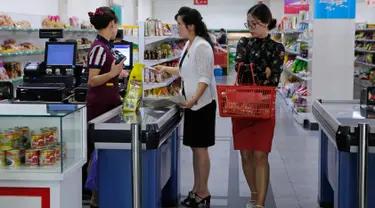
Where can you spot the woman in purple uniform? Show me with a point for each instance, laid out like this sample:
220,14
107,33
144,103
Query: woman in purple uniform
103,93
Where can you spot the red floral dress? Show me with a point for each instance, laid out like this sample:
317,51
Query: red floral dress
249,133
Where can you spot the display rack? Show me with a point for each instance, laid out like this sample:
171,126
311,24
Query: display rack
295,33
42,151
144,43
30,35
365,60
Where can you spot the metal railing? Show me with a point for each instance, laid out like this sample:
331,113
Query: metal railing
364,130
136,166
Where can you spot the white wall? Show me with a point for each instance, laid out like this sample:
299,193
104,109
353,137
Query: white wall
365,13
218,14
79,8
145,9
34,7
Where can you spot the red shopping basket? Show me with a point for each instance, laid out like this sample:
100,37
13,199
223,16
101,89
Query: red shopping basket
246,101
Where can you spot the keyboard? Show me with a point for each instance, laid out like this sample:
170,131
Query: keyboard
42,85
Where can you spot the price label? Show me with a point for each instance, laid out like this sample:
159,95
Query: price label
200,2
370,3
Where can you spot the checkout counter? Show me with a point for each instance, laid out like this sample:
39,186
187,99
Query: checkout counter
159,156
341,150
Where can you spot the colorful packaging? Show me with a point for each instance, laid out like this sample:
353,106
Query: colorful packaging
32,157
13,158
134,90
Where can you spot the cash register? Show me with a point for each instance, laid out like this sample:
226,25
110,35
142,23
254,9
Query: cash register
53,79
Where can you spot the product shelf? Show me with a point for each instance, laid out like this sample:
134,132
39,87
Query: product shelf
296,74
14,29
290,51
365,40
364,50
365,64
150,63
22,53
304,59
148,86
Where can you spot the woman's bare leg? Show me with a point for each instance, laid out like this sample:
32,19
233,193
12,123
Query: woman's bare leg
262,174
202,170
248,167
195,171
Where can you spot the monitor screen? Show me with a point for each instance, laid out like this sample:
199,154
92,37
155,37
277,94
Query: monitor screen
60,54
126,50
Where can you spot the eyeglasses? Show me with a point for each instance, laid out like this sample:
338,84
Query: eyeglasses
251,25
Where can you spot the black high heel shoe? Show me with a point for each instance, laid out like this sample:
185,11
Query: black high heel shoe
189,200
204,203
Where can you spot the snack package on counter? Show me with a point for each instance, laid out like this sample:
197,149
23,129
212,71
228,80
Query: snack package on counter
130,117
134,90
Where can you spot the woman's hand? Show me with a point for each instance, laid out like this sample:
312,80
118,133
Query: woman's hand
116,69
189,103
268,72
159,69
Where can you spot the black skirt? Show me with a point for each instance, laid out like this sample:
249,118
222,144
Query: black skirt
199,126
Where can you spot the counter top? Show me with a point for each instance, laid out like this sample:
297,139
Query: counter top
37,110
340,119
114,127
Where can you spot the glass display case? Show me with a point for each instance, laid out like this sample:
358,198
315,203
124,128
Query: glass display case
41,138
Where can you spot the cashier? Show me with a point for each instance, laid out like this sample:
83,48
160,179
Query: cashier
103,93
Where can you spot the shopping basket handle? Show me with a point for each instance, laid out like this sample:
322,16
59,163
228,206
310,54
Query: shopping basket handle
251,69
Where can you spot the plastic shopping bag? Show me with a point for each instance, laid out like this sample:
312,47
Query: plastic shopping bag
92,179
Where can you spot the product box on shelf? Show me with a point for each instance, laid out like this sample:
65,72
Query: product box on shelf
41,138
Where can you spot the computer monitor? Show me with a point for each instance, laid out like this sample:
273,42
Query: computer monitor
60,54
120,34
126,49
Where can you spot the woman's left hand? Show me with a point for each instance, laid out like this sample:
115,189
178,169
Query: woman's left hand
268,72
189,103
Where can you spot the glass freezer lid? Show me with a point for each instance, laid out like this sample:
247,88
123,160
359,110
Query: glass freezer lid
38,110
349,114
116,119
143,116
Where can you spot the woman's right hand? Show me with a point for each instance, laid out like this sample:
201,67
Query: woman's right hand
116,68
159,69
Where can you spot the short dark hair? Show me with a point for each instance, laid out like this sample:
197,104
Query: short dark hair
101,18
263,14
192,17
222,30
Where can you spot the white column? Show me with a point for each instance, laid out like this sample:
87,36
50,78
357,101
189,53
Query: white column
333,51
144,9
129,12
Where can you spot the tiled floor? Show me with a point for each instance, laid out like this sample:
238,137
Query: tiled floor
293,161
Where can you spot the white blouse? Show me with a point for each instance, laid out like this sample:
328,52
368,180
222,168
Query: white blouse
197,67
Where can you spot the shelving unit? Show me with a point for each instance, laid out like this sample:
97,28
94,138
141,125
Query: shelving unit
30,35
295,33
144,43
365,57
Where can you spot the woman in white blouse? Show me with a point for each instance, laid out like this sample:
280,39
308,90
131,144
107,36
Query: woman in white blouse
196,69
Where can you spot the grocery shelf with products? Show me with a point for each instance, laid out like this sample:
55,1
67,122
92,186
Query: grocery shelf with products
158,44
364,58
43,145
295,33
25,46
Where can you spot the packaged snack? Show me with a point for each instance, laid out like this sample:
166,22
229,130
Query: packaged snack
158,78
6,21
134,90
74,23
